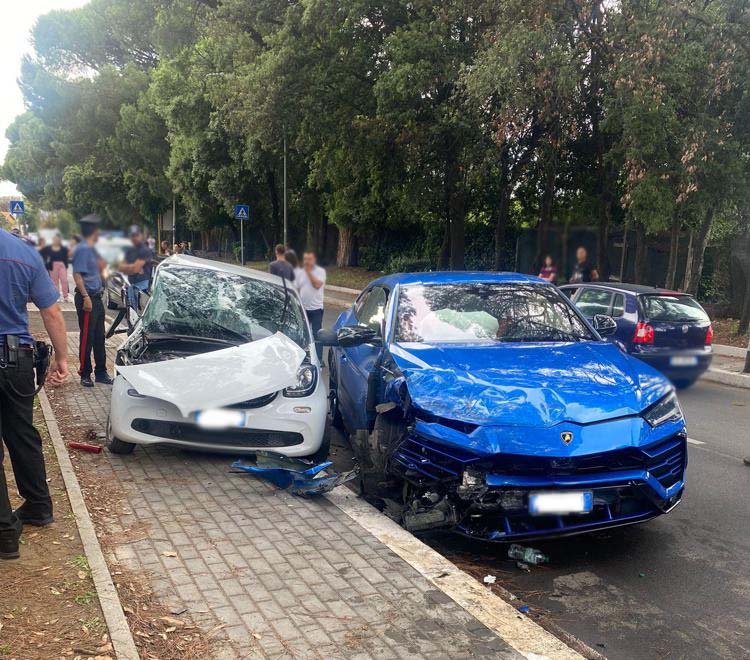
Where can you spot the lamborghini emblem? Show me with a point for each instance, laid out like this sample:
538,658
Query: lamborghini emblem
566,437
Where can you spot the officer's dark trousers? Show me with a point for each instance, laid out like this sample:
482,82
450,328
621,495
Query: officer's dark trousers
95,338
23,443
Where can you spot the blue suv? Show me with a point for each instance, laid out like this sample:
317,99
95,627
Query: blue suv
666,329
486,404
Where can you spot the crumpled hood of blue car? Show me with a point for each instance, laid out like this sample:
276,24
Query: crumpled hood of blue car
527,385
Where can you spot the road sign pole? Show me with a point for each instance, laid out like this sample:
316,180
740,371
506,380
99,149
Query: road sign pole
242,242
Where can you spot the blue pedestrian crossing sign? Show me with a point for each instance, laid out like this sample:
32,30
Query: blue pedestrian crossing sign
17,207
241,212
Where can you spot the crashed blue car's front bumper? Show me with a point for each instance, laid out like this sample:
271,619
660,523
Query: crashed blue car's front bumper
640,478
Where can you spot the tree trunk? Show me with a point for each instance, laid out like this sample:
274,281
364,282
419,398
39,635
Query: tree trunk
346,254
501,225
674,249
694,267
604,204
624,253
641,254
545,214
444,258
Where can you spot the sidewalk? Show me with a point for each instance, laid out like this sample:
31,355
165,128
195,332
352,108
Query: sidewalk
727,367
265,574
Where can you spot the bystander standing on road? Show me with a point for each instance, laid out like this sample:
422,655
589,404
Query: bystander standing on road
310,281
583,271
280,266
186,249
290,256
549,270
55,257
137,265
87,274
23,277
165,249
72,244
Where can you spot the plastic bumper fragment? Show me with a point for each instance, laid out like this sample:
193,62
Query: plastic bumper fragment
298,476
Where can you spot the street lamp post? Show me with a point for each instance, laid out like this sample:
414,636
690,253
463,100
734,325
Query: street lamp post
285,226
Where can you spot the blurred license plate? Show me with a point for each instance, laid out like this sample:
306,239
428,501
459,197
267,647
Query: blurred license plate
220,419
555,503
683,361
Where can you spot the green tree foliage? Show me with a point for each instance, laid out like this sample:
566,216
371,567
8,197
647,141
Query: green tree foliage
431,130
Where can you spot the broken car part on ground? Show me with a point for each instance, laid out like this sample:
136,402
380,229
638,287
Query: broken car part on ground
298,476
222,360
485,403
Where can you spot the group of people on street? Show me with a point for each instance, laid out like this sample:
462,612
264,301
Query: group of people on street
582,271
309,280
183,247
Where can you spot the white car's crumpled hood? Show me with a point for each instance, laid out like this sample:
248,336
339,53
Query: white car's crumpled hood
220,378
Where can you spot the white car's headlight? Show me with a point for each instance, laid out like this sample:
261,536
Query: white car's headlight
307,379
666,409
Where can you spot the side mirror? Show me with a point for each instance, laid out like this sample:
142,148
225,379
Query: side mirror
356,335
326,338
604,325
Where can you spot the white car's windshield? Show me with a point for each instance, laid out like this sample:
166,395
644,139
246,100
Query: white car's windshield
486,313
202,302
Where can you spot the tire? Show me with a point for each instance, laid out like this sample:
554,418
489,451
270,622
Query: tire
322,453
117,446
684,383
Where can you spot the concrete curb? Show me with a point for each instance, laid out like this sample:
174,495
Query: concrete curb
725,377
729,351
520,632
119,631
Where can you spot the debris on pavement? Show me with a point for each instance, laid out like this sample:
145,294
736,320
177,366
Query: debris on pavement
85,446
298,476
523,566
523,609
527,555
489,579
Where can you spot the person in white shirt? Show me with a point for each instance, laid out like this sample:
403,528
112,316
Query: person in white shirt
310,281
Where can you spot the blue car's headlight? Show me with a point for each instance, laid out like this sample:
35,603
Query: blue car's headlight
666,409
307,379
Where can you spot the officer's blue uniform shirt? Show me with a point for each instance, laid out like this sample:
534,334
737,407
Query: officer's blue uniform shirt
23,277
86,262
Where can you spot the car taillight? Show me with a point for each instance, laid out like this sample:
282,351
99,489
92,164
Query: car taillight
644,334
710,335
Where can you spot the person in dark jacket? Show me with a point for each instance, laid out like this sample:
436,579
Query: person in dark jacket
281,266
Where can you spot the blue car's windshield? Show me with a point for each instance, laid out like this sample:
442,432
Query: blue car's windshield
486,312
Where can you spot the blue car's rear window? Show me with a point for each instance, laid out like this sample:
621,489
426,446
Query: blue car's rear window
672,308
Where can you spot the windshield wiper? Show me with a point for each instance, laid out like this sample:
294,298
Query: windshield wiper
552,333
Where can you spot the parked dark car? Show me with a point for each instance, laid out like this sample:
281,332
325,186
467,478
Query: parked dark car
667,329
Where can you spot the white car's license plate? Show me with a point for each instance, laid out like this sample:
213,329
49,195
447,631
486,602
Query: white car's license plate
683,361
220,418
560,503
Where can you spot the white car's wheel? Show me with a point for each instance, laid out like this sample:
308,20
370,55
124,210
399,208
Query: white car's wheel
115,445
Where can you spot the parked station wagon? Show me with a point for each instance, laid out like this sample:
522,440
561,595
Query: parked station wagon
666,329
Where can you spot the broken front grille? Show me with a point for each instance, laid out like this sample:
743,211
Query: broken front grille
240,437
425,460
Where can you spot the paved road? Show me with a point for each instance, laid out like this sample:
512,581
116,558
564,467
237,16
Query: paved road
693,599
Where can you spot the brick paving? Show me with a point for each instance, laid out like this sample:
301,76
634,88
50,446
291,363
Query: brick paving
283,576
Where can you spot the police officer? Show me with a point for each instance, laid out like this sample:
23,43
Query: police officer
23,277
87,275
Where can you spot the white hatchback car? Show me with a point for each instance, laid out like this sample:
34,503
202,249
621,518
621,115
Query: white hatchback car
223,360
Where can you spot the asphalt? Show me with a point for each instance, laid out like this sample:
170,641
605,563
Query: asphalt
675,587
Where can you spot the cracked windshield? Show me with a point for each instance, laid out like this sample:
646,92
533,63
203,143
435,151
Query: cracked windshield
221,305
476,313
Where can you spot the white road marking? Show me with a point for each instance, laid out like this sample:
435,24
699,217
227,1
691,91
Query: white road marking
695,442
